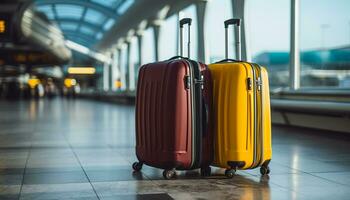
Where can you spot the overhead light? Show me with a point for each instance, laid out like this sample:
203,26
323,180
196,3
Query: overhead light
81,70
2,26
84,50
77,47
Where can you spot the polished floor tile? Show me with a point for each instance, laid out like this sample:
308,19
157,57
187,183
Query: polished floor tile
62,177
79,149
338,177
160,196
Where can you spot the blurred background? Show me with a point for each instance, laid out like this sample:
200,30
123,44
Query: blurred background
94,48
101,50
68,75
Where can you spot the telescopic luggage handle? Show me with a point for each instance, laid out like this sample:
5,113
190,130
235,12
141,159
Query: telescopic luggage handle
236,22
182,23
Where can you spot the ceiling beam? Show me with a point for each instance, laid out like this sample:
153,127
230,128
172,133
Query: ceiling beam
85,23
141,10
104,10
81,20
90,38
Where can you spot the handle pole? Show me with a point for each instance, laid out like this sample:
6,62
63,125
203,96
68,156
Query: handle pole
226,43
181,41
236,22
238,44
182,23
189,41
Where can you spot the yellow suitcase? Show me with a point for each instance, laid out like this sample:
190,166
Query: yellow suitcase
242,113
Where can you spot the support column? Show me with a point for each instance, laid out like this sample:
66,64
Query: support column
119,64
110,72
139,48
238,8
156,36
115,70
294,68
128,66
106,74
201,51
140,61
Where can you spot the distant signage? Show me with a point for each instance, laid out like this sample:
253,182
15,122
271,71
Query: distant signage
5,29
2,26
19,57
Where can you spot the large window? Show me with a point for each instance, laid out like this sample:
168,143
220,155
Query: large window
325,43
134,63
168,41
217,12
268,31
191,13
123,71
148,55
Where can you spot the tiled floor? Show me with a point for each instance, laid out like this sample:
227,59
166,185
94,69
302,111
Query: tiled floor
77,149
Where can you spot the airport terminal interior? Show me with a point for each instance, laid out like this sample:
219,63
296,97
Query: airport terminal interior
70,99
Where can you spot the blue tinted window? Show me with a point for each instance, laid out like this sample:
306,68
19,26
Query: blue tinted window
87,30
108,24
69,26
94,16
125,6
99,35
106,3
69,11
47,10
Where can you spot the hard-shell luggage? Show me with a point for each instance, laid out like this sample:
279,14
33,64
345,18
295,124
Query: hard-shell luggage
173,111
241,103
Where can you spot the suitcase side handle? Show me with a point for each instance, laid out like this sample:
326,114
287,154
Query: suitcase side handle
182,23
236,22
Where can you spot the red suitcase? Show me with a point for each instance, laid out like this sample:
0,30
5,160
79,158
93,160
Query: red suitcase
173,111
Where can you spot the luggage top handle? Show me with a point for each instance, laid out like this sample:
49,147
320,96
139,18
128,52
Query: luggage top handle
236,22
182,23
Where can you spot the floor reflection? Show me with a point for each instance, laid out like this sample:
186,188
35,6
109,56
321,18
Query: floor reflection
80,149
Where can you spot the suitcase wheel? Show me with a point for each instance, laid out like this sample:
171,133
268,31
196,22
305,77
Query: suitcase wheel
264,170
206,171
169,174
137,166
229,173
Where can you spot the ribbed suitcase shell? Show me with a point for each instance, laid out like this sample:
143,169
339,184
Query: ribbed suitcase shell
235,116
163,116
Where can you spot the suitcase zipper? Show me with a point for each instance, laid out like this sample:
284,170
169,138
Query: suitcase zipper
260,89
258,116
255,118
189,85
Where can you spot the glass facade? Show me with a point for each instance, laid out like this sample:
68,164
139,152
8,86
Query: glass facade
148,46
168,47
190,12
216,13
268,38
324,36
134,63
89,18
325,44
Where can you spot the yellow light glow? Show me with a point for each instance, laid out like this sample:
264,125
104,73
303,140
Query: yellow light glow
69,82
81,70
2,26
118,84
33,82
